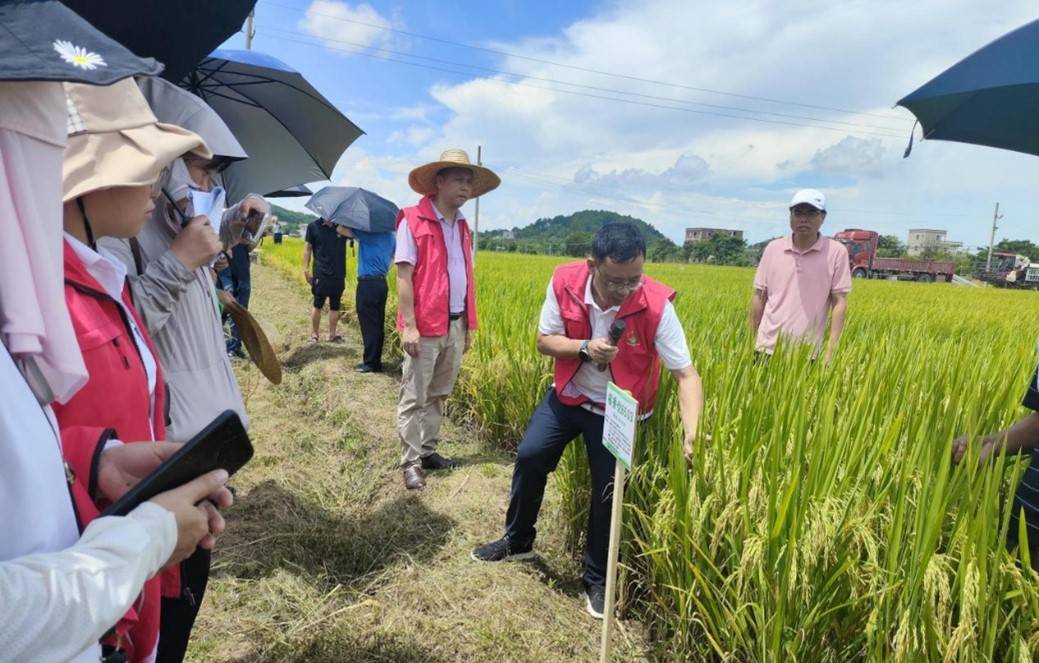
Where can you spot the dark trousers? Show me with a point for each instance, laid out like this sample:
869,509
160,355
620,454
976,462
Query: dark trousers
178,614
371,314
237,280
552,427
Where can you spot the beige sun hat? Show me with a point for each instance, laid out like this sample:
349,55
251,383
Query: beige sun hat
115,140
424,178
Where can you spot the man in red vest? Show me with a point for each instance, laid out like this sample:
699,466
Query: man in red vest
583,301
437,302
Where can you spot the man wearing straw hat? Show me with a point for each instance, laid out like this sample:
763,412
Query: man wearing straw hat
437,302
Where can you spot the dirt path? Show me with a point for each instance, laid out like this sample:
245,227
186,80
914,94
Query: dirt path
328,558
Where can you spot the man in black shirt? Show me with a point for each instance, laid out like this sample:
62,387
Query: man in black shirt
1021,438
328,279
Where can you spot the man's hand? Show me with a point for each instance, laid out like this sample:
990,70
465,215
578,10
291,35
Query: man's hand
197,524
308,276
829,354
468,341
687,447
252,205
959,449
121,467
196,244
601,351
343,231
410,340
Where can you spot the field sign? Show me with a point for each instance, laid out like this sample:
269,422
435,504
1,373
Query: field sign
618,434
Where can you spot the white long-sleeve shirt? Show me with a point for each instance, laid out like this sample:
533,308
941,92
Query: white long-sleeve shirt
59,591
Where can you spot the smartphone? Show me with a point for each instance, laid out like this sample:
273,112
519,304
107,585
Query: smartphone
223,444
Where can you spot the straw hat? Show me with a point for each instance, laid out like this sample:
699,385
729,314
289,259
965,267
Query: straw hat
115,140
424,178
253,338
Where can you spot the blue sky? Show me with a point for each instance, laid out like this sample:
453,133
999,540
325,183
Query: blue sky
811,84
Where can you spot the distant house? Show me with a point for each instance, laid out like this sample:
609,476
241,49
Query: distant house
923,239
701,234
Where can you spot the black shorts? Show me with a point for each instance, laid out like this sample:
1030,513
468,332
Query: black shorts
329,288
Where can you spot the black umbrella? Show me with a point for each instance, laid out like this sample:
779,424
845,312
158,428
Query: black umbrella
991,97
291,133
292,192
178,34
354,208
43,40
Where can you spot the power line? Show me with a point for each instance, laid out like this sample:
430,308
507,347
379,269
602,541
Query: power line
492,70
585,69
365,53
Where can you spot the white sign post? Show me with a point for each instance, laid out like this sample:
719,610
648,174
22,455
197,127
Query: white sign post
618,436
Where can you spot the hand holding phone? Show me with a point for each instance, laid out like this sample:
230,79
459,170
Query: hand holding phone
222,445
198,520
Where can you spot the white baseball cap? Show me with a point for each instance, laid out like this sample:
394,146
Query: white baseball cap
814,198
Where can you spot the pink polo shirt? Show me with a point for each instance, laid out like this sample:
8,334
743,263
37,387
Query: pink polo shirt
799,284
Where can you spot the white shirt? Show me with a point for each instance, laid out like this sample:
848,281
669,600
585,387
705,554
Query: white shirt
589,381
60,592
407,251
110,273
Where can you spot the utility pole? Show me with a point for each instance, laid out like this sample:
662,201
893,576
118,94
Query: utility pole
996,216
250,31
476,223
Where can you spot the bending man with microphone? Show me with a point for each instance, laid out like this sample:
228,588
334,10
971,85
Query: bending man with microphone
597,313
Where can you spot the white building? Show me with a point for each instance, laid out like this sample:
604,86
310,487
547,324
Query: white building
701,234
922,239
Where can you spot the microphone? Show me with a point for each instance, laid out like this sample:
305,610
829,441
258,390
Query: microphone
616,331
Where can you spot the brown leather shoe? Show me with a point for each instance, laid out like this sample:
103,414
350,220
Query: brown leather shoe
414,479
435,461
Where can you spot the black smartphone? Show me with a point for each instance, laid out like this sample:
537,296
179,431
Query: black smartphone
223,444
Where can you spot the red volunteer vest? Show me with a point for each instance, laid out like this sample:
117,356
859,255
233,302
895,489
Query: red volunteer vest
637,365
429,280
115,397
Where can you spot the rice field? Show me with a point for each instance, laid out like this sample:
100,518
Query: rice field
822,519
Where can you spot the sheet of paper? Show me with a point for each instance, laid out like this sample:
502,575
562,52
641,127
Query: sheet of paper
211,204
618,434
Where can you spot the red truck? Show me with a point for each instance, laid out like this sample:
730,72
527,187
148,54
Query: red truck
866,264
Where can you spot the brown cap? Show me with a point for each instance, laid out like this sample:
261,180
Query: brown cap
115,140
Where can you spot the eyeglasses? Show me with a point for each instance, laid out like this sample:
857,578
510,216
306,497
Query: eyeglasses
808,212
623,285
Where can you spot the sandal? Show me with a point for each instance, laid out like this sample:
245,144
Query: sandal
336,339
313,339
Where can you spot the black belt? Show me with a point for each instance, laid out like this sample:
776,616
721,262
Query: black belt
372,278
454,316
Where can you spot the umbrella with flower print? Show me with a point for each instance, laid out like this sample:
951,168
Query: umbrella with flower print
178,34
43,40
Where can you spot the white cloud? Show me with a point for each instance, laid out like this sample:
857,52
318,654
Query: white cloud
559,152
853,157
340,25
414,135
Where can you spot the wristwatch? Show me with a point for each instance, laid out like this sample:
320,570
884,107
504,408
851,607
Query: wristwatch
583,353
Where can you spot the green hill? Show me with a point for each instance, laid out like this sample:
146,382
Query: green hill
291,220
570,234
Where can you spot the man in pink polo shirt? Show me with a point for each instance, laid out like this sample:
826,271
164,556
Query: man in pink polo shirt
801,278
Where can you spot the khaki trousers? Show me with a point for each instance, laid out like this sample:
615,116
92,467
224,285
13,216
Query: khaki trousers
426,383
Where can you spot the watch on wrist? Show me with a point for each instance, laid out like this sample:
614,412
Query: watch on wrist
583,353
